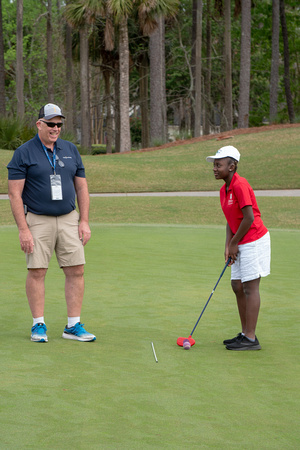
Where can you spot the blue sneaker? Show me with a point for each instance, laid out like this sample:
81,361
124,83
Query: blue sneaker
38,333
78,333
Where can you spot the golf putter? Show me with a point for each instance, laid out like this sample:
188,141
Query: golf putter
180,340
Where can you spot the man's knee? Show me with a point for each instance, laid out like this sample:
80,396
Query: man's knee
74,271
37,274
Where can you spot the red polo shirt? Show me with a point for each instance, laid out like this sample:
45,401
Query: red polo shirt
239,195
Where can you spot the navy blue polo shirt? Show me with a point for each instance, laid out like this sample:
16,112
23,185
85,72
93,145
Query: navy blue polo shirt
30,162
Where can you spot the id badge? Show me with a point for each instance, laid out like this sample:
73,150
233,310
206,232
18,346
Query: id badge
56,189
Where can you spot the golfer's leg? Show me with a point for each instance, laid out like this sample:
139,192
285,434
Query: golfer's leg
241,300
251,289
35,291
74,289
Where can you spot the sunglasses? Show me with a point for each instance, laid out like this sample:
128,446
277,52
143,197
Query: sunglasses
52,124
60,163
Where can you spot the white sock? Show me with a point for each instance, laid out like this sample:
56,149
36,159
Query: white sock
38,320
72,321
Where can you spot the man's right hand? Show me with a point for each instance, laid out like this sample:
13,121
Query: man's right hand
26,241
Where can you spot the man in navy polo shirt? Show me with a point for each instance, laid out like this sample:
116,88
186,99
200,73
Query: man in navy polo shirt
44,177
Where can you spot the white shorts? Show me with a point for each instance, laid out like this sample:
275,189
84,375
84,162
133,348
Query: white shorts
253,260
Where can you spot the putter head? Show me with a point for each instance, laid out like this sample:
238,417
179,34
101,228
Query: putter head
180,341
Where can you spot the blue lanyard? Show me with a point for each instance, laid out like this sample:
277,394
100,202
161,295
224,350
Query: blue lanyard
53,162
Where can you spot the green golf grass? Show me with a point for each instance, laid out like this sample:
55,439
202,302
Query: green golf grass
149,283
151,266
268,161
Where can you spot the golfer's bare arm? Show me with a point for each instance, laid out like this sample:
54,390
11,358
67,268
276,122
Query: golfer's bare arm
15,189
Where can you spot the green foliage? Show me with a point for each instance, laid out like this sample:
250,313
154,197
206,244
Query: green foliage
84,150
178,53
98,149
34,56
135,130
182,135
13,133
68,136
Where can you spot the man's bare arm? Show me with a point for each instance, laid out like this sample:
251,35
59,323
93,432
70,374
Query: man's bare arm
83,200
15,189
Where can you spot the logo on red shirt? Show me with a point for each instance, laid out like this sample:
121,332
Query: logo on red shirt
230,200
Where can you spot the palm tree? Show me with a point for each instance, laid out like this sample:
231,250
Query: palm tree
119,11
85,12
2,68
144,79
20,65
244,94
125,138
50,53
158,106
150,14
275,61
70,97
79,15
85,89
206,128
228,70
198,68
286,58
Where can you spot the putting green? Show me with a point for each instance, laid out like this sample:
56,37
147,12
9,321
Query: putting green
149,284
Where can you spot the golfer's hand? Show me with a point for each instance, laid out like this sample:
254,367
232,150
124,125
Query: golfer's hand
26,241
233,252
226,258
84,232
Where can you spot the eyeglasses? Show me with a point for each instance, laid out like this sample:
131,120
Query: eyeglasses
52,124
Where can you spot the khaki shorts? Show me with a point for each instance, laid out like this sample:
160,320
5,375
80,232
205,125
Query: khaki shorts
55,233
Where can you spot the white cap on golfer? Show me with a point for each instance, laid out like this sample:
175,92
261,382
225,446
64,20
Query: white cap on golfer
225,152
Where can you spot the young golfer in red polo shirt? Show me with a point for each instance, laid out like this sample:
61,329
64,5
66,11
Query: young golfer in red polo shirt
247,244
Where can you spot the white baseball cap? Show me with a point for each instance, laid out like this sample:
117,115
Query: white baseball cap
49,111
225,152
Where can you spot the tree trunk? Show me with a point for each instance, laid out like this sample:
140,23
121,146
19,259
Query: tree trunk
193,63
158,108
84,90
228,69
2,68
50,53
70,88
208,70
19,65
144,76
198,74
245,65
125,139
106,75
117,106
274,62
286,58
